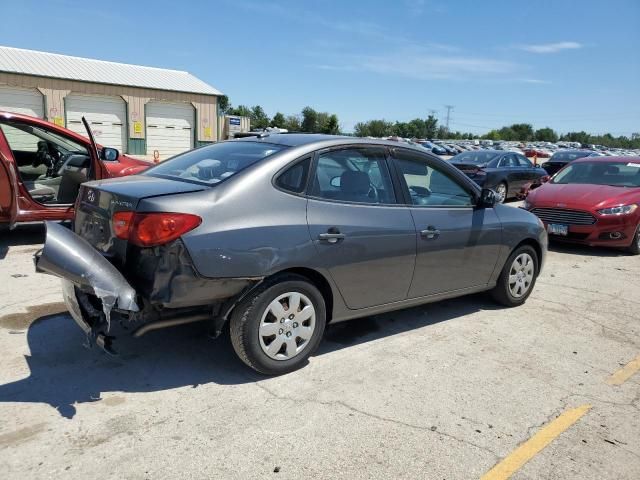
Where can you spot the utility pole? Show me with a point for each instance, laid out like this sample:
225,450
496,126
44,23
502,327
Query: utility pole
449,108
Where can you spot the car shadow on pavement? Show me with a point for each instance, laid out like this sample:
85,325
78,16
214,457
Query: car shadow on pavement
584,250
63,373
32,234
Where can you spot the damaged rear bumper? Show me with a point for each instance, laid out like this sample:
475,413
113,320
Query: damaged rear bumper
83,269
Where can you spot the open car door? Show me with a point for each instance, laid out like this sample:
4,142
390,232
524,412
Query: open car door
97,169
8,185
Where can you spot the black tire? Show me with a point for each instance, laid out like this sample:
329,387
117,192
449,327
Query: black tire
506,191
634,248
501,293
246,318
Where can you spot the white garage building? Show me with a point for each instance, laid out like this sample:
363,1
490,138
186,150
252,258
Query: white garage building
143,111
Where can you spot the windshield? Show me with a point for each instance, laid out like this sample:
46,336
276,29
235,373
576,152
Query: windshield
478,157
569,156
616,174
214,163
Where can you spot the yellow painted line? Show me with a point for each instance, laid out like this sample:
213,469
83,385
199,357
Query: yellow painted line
529,449
625,372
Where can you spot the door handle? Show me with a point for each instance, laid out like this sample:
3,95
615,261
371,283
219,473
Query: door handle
331,237
430,233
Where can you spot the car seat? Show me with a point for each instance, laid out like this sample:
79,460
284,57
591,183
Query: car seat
355,186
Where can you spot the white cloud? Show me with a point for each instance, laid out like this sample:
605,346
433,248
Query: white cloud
535,80
550,47
422,65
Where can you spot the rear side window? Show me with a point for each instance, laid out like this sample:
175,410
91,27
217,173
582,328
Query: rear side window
294,179
215,163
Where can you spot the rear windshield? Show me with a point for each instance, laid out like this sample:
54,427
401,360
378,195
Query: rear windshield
214,163
568,156
478,157
616,174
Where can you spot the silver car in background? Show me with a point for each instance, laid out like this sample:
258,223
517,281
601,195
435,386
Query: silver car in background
279,235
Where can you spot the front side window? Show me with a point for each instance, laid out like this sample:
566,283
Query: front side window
508,161
358,174
215,163
51,166
524,161
428,185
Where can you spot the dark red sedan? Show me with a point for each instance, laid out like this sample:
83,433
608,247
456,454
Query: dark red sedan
42,166
593,201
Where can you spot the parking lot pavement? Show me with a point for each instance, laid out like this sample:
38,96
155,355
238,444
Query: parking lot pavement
448,390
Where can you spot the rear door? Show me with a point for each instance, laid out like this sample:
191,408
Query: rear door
457,243
364,238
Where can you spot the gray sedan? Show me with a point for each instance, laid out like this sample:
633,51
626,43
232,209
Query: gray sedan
279,235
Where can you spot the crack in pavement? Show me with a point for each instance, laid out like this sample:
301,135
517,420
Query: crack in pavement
380,418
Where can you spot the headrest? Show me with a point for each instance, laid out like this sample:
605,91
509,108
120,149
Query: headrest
354,182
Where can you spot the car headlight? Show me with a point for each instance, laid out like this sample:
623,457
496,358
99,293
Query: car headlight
620,210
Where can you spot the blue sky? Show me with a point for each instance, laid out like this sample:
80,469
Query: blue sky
571,65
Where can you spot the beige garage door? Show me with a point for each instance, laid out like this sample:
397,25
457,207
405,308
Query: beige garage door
106,116
22,100
169,128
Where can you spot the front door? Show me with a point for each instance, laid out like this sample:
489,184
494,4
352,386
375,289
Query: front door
47,167
457,243
363,237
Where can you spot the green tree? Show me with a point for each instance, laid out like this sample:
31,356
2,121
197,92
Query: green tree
522,132
493,135
223,104
259,119
293,123
442,132
240,111
430,127
546,135
361,129
331,126
278,120
309,120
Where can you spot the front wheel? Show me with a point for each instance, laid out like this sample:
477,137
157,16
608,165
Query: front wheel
277,327
517,278
501,192
634,248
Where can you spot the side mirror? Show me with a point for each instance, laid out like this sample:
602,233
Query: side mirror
487,198
109,154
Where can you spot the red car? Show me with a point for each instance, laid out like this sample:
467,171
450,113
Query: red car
593,201
42,166
535,152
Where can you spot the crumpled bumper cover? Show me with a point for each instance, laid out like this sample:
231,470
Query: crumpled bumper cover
72,258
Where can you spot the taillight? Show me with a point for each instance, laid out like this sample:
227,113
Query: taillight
153,229
122,222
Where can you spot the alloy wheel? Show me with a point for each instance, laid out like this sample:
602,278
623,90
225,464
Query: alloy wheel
501,192
521,275
287,325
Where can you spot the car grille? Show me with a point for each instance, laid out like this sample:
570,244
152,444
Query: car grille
567,217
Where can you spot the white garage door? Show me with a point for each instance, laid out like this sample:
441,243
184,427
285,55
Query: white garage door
22,100
106,116
169,128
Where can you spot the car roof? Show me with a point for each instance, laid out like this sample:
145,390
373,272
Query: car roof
605,159
300,139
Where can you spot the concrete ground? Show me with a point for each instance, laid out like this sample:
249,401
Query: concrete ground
443,391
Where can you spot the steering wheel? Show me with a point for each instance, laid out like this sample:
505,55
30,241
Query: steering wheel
61,164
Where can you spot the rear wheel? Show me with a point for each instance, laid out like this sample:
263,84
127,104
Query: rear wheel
517,278
501,192
634,248
277,328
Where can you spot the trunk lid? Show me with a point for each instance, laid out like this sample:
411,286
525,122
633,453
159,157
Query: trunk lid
470,169
98,201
